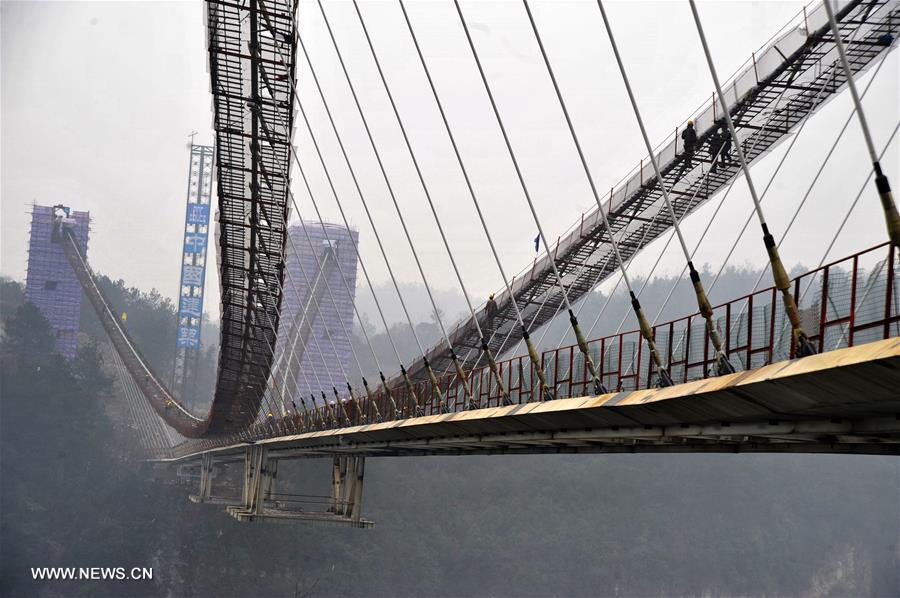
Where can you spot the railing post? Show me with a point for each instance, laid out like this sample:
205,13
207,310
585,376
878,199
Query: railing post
823,308
619,373
774,310
889,292
749,331
755,71
853,282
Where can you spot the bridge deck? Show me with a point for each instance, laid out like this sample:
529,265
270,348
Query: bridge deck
844,401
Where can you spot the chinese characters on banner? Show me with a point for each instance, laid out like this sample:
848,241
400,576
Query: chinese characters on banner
196,230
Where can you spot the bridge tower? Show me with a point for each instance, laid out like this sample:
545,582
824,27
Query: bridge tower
50,283
192,272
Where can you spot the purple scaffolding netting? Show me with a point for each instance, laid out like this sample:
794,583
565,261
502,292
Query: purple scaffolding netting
50,284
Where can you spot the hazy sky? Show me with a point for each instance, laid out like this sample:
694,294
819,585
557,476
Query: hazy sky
98,99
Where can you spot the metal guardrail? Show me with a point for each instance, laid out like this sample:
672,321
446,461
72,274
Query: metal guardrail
844,303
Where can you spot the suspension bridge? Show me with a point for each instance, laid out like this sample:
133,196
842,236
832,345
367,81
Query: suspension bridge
809,364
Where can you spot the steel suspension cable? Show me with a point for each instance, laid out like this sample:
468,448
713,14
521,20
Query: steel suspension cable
255,108
762,197
492,364
295,37
304,317
339,269
782,282
652,270
672,236
598,387
274,385
309,285
821,166
573,318
891,216
723,366
284,224
335,195
437,220
606,303
847,215
628,263
771,180
715,214
645,328
471,190
425,361
280,396
809,189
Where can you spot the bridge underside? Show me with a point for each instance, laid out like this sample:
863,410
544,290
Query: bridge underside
844,401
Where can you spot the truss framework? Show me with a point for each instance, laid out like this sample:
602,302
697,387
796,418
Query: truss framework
252,65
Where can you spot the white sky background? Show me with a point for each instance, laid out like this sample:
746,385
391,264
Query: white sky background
98,100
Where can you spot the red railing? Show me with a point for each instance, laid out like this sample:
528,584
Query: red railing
847,302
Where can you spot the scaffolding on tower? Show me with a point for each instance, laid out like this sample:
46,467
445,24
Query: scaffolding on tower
192,273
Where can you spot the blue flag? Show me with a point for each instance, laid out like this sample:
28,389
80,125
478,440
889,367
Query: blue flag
537,243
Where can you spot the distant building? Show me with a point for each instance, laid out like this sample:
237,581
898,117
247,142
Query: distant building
318,362
50,283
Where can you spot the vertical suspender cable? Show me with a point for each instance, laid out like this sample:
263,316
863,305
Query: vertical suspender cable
573,318
492,364
891,216
295,99
255,106
434,381
532,352
415,161
782,282
723,366
353,396
645,327
407,380
550,257
266,219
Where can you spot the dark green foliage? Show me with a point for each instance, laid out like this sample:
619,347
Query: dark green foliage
63,482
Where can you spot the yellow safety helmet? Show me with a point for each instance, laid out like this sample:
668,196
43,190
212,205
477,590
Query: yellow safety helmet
691,123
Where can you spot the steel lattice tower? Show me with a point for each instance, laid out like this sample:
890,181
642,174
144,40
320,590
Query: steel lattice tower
193,271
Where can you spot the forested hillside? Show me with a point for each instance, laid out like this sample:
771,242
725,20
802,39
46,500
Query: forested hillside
567,525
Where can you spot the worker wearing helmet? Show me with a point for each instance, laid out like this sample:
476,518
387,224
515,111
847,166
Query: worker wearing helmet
689,137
